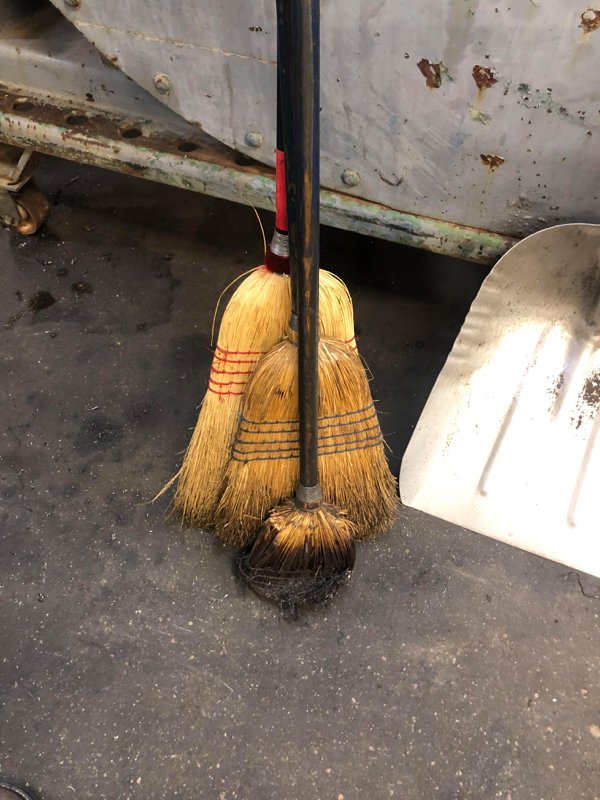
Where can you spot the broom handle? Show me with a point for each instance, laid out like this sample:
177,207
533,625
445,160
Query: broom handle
285,127
281,214
304,17
277,255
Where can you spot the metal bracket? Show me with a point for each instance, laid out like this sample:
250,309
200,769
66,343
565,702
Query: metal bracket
309,497
9,213
16,168
22,206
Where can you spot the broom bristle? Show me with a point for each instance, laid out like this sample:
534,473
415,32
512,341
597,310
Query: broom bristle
336,312
263,470
300,556
254,320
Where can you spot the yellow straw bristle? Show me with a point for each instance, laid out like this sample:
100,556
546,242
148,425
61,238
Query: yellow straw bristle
336,313
263,470
254,320
353,467
293,540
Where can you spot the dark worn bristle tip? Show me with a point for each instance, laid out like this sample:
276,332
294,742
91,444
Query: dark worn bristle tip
291,589
301,557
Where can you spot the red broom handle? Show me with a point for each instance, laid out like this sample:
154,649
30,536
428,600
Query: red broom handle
281,217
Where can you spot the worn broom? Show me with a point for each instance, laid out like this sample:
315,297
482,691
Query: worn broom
254,320
269,454
306,545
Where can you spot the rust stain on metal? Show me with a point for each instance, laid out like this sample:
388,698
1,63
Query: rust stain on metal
590,20
431,72
483,77
492,161
110,61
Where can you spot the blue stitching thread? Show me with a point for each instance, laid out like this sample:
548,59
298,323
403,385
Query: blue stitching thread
242,442
285,458
295,422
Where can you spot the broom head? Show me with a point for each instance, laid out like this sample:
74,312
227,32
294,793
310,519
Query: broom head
301,556
263,470
255,318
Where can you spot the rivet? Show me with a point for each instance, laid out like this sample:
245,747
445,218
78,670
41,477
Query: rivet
73,3
254,139
162,82
351,177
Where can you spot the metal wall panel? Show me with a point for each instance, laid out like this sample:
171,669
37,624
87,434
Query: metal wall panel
505,137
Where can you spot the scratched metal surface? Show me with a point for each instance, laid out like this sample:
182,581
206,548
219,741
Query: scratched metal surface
505,137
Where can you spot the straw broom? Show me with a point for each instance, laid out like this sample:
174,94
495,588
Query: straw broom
264,468
308,409
254,320
247,332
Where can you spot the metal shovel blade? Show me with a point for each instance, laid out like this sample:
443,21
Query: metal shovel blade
509,441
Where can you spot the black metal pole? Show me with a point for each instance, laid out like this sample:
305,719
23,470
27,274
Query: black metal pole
304,16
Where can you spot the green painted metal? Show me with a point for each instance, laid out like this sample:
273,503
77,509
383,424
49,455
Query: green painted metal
212,170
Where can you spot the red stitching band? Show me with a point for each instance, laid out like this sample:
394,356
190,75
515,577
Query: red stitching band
281,216
240,352
224,394
228,383
232,372
234,361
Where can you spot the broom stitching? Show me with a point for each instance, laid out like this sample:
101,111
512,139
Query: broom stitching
240,352
295,422
231,361
224,394
241,429
281,431
235,372
245,443
284,449
228,383
379,441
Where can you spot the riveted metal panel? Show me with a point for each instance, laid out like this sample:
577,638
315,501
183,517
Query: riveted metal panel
482,113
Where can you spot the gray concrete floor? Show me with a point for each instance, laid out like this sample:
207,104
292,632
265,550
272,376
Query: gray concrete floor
132,663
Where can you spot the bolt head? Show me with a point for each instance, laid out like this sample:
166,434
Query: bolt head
254,139
73,3
162,82
351,177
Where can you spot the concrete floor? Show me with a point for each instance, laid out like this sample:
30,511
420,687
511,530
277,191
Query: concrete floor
132,663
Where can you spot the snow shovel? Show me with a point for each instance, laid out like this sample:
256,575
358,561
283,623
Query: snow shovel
508,443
